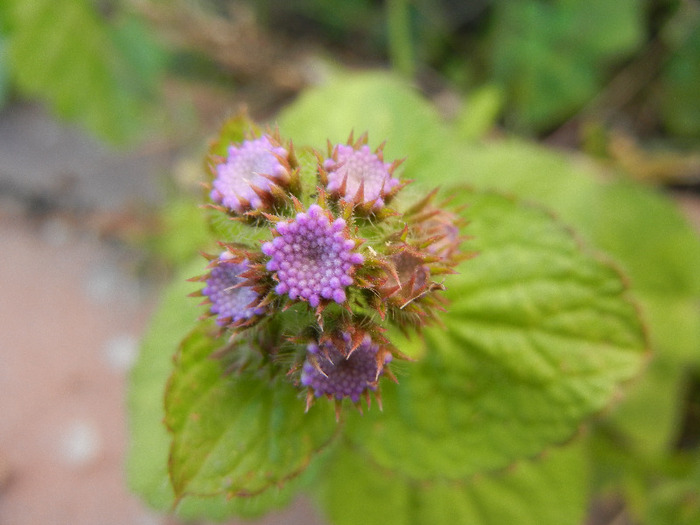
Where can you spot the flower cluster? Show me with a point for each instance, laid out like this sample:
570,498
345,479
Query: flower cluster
317,271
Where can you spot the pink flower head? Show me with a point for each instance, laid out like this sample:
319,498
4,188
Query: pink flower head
230,302
340,372
312,257
249,172
351,169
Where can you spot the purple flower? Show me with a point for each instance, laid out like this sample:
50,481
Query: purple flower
250,170
350,168
230,302
341,373
312,257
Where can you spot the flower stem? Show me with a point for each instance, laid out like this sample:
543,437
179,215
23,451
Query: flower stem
399,36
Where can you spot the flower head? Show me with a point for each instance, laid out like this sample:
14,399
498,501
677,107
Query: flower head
314,218
231,301
356,174
312,257
249,174
334,369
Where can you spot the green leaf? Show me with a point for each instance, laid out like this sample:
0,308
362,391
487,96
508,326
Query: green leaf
675,500
147,458
548,491
236,435
181,214
539,335
103,77
651,413
675,326
646,235
5,80
479,113
622,218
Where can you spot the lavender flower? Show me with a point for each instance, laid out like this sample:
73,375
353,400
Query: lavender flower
230,302
360,176
312,257
249,172
340,372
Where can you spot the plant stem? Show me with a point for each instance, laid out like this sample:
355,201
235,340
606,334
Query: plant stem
399,36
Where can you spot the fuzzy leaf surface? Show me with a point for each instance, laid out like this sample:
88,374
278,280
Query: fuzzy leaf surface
237,435
538,336
646,235
546,491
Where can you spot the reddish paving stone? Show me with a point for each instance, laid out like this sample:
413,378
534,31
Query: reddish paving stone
63,431
71,317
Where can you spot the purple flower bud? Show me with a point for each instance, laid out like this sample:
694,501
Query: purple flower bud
350,168
312,258
230,302
339,375
250,170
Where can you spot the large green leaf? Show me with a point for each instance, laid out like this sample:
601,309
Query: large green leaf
147,459
237,435
548,491
641,228
539,335
646,235
87,70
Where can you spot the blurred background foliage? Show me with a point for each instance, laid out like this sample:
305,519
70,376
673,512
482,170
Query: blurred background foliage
566,70
618,80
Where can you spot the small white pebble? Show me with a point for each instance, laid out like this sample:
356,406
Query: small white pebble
120,352
105,283
79,443
148,518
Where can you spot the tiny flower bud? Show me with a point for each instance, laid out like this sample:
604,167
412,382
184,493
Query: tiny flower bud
360,177
249,175
342,372
230,302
